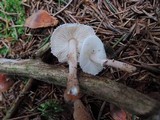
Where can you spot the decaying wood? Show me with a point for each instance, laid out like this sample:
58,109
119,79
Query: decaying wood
102,88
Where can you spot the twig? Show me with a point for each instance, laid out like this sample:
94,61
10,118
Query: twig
7,13
63,8
2,19
125,37
150,16
101,110
111,6
16,103
152,69
109,90
15,31
25,116
42,50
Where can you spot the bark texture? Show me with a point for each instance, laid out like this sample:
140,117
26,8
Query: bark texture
102,88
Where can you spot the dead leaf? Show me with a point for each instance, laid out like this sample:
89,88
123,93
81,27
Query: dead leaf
80,112
117,113
2,77
40,19
5,84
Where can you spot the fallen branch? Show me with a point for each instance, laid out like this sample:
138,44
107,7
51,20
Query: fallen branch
105,89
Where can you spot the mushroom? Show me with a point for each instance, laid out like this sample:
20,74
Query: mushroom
5,84
40,19
65,42
93,57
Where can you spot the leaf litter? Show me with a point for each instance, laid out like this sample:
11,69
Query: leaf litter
130,29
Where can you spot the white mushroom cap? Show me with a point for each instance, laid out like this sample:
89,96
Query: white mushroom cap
92,48
63,34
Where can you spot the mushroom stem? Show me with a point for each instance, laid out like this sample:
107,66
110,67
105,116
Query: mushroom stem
113,63
121,65
72,83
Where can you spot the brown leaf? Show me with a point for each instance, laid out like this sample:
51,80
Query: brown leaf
117,113
4,83
80,112
2,78
40,19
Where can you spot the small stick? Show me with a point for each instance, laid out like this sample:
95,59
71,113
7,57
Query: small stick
24,116
101,110
63,8
42,50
